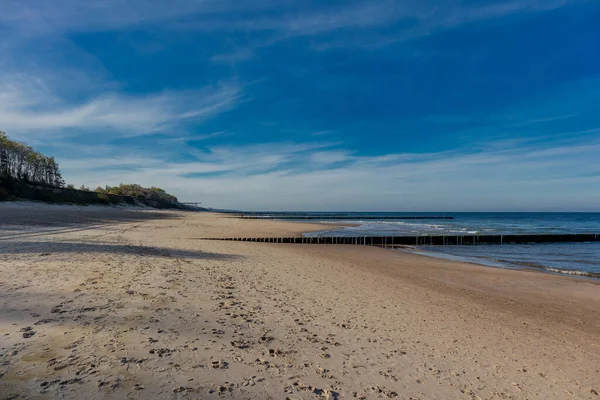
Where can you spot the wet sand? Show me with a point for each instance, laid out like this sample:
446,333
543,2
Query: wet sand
111,303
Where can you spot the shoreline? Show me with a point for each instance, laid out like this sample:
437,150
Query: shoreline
137,307
439,253
506,265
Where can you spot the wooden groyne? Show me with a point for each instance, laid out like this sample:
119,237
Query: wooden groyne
284,213
393,241
336,217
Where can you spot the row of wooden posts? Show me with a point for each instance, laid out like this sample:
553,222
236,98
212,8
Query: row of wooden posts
340,218
391,241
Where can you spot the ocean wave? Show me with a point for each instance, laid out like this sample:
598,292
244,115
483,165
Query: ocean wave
573,272
504,263
555,270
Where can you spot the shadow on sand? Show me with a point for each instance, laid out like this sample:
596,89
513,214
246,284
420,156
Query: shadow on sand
43,247
44,215
30,220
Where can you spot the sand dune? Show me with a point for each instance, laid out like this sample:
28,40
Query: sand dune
103,303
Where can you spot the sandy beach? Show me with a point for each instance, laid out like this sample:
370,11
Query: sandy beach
108,303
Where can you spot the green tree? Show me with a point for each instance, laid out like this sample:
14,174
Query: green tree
21,162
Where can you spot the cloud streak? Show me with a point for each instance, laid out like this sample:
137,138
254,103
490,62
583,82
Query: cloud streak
376,24
285,20
29,104
286,177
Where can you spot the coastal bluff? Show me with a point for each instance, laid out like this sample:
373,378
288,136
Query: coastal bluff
12,189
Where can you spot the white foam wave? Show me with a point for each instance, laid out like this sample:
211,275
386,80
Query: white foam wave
572,272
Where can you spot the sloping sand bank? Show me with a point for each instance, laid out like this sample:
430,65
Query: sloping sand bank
110,303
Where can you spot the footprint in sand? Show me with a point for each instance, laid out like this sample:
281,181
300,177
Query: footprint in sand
27,332
220,364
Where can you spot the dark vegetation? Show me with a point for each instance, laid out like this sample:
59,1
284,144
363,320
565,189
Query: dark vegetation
21,162
30,175
154,197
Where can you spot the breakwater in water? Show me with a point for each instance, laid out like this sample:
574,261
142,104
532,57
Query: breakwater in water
341,217
392,241
283,214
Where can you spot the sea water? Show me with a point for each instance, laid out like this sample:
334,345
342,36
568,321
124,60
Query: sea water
567,258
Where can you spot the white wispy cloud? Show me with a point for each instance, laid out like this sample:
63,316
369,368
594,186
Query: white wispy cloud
276,176
29,104
42,94
316,19
284,20
329,157
400,20
35,17
425,18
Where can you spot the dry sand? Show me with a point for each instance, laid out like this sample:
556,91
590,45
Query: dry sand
110,303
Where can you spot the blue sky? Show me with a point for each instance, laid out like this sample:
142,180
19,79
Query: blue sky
446,105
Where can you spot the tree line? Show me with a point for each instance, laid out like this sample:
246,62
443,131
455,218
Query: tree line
21,162
151,196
